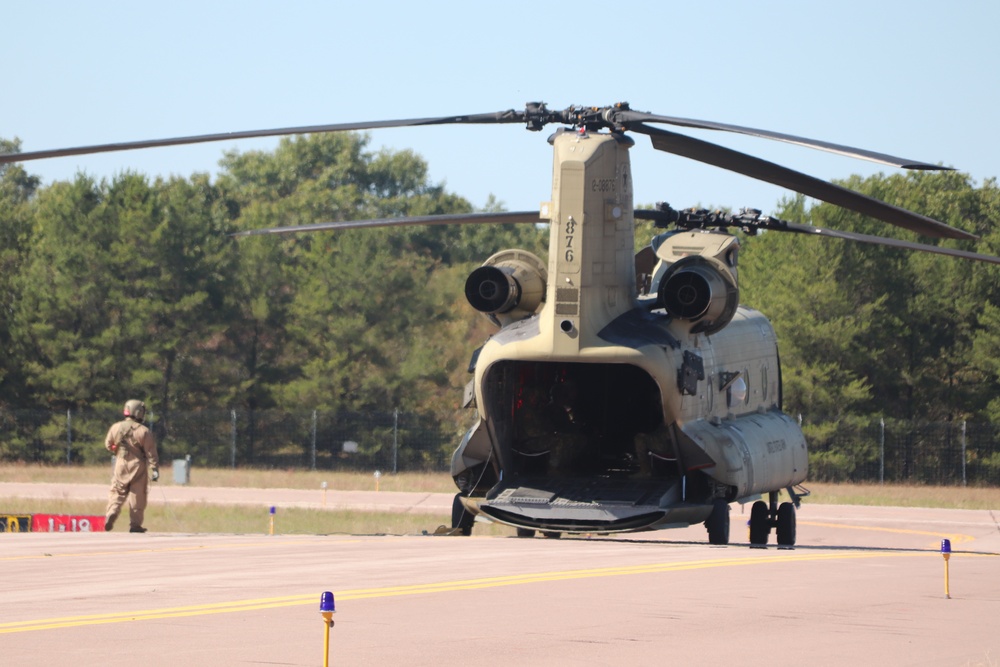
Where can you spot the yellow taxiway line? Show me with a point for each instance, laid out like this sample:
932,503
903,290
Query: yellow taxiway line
431,588
956,538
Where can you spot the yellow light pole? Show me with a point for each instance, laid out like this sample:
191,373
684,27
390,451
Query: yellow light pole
326,610
271,532
946,552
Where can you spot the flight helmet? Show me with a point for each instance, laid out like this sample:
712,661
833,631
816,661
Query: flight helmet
135,409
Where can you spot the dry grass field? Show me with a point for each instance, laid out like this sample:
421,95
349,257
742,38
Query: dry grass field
205,518
200,517
956,497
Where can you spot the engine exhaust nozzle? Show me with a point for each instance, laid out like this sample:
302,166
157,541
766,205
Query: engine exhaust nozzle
508,287
491,290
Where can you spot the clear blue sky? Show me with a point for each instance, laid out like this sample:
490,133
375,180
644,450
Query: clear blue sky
915,78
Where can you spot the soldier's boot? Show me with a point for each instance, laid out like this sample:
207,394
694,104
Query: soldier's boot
109,522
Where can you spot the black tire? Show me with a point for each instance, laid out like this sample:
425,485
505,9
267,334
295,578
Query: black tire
717,523
760,524
786,525
460,517
525,532
551,534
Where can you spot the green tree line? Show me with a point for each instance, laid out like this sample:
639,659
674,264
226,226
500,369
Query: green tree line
868,332
132,287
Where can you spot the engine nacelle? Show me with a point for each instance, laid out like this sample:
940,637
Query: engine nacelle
699,290
752,454
508,287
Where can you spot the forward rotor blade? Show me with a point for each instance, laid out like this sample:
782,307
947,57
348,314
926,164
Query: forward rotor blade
880,240
453,219
882,158
510,116
770,172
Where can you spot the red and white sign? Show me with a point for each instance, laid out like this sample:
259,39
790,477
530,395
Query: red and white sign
66,523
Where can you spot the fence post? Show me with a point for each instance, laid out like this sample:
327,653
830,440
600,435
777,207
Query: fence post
232,440
963,453
314,441
69,436
395,438
881,450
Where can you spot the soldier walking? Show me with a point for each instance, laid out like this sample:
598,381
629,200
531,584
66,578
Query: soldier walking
136,463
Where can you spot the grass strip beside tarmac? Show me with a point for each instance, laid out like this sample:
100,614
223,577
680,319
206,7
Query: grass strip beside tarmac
197,518
207,518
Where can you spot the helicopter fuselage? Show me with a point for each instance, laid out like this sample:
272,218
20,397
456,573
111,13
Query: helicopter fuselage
606,410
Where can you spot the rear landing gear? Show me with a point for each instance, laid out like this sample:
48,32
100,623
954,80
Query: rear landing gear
764,516
461,518
785,525
717,523
760,524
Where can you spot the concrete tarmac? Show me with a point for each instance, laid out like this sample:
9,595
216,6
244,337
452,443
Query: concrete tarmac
864,584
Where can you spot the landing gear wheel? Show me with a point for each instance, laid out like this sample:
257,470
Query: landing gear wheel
551,534
717,523
760,524
786,525
525,532
461,518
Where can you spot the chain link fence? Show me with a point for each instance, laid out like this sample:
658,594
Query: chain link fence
390,441
898,451
889,450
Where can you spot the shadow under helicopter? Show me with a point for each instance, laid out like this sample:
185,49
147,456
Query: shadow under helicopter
798,547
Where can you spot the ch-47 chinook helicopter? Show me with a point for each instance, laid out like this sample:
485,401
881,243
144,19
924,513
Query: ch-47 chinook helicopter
624,391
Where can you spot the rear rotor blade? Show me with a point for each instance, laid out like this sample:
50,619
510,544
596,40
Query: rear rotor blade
635,116
509,116
453,219
880,240
770,172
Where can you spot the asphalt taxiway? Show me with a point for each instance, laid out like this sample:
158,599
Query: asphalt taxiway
864,584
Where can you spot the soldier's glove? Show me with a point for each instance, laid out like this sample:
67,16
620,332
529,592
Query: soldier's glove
156,475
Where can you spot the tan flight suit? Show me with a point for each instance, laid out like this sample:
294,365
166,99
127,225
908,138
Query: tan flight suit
135,456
